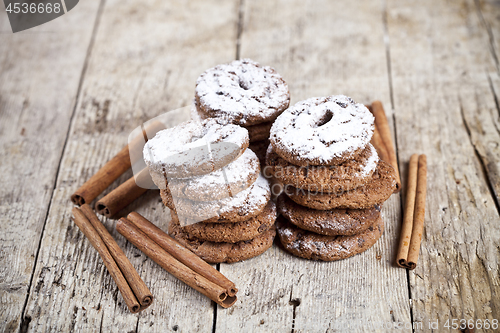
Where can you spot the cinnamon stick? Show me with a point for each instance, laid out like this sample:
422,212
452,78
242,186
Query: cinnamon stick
88,230
383,127
124,195
181,253
419,216
113,169
406,229
379,145
173,266
135,282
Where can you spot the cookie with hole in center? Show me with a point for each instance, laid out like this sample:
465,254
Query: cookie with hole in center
334,222
309,245
256,133
380,187
323,178
219,184
243,206
215,253
231,232
242,92
322,131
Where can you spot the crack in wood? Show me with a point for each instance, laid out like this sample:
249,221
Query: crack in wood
295,302
480,160
388,54
491,39
495,98
239,31
26,319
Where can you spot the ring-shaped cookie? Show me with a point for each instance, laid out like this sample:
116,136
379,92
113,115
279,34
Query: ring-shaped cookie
193,149
242,92
322,131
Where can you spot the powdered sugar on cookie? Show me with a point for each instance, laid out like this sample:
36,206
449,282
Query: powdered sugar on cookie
371,163
242,92
247,202
228,181
322,130
194,148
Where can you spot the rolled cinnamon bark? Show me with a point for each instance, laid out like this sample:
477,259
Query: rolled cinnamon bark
135,282
406,229
113,169
181,253
419,215
88,230
379,145
213,291
124,195
385,133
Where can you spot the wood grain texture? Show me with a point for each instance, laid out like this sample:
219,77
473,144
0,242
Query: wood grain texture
444,109
443,77
144,62
320,48
40,71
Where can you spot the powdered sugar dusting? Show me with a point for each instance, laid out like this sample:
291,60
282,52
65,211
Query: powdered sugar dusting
241,90
371,163
245,202
186,145
218,184
302,131
256,195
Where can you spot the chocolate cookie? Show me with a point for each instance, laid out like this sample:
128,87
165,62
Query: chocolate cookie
231,232
322,131
375,192
333,222
326,179
223,183
225,252
193,149
308,245
242,92
259,132
260,148
255,132
241,207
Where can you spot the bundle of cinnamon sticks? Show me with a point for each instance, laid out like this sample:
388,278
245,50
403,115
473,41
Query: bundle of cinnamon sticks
382,139
133,289
164,250
414,213
114,168
177,260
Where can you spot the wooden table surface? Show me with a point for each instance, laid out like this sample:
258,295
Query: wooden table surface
72,90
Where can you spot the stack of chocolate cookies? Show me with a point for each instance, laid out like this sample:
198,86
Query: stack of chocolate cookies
334,182
219,202
243,93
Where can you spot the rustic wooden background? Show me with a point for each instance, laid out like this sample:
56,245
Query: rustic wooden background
71,91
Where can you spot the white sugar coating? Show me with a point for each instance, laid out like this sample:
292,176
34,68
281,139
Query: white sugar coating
218,184
246,201
185,146
254,196
371,162
195,116
302,131
242,92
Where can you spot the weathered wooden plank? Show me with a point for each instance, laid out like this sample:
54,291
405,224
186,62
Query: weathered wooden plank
441,93
40,71
321,48
489,15
145,62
